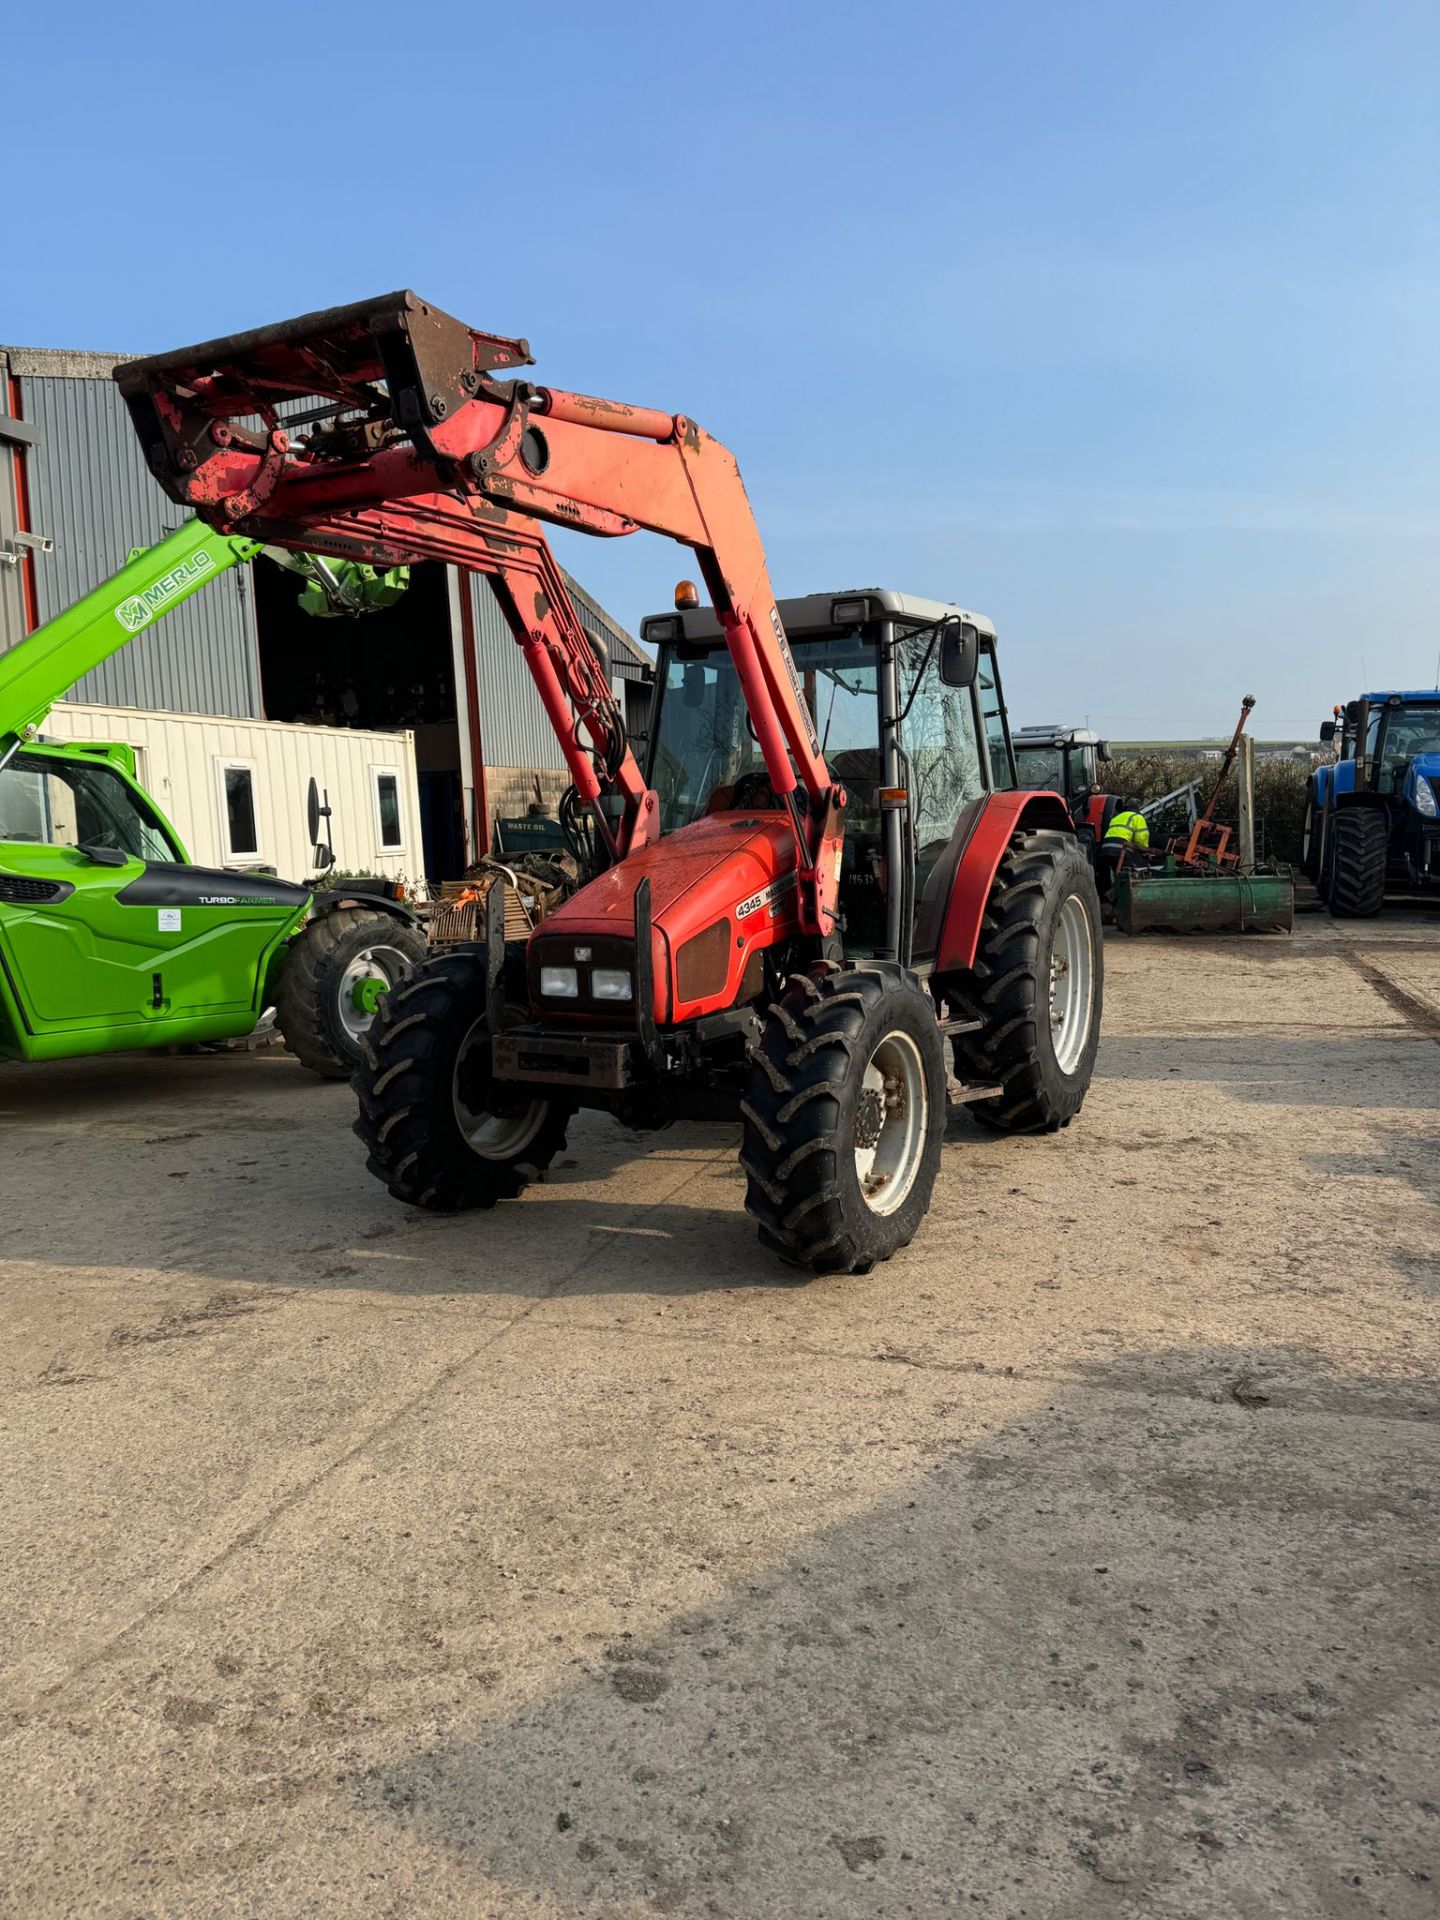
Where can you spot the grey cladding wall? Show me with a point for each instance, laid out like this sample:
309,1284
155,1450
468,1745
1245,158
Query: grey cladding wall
91,492
513,728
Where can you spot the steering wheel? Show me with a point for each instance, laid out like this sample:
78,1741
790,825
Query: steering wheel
753,789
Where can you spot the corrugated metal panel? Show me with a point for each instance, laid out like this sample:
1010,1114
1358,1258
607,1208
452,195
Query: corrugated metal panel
91,492
626,657
514,729
177,763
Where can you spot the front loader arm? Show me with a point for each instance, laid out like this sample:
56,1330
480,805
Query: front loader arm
45,665
424,453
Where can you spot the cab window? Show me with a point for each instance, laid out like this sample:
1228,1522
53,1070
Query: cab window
64,803
992,718
940,743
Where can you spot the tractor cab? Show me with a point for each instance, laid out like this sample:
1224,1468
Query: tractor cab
909,715
1067,761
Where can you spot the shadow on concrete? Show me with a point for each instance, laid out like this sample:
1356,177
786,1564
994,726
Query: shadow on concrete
1380,1069
1128,1653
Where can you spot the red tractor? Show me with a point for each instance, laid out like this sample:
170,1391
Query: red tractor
822,891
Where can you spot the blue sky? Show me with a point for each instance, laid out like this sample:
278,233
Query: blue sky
1116,321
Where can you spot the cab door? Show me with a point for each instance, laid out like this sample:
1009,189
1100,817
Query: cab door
101,925
943,763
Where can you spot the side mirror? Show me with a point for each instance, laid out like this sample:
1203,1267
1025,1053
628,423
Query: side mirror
1102,753
317,810
959,654
1327,732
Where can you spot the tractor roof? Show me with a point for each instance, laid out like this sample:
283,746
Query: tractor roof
1054,736
1423,697
813,612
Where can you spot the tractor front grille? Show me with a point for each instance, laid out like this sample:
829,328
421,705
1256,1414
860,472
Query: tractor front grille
18,891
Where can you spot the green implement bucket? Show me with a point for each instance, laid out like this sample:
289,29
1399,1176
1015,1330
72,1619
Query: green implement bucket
1205,902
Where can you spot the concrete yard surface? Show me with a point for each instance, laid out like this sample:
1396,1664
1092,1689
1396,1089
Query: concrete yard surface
570,1560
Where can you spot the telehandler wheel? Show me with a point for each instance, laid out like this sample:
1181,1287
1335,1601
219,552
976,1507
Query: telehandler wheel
844,1115
1037,986
1360,843
434,1130
336,974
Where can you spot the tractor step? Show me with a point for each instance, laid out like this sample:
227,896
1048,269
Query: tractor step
958,1025
958,1094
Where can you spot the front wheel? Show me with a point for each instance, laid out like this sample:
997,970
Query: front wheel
438,1130
1036,987
336,975
844,1115
1361,848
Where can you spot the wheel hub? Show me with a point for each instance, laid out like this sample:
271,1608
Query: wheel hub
364,983
366,994
870,1117
1072,988
890,1120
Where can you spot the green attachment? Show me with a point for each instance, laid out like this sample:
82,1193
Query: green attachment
34,675
352,588
1210,903
366,994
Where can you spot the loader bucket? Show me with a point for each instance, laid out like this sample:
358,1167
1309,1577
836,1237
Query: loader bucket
1208,903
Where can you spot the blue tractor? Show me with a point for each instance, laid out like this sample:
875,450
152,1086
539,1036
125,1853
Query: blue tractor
1372,819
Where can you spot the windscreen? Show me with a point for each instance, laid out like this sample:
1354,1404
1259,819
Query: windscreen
1409,731
64,803
1039,769
706,760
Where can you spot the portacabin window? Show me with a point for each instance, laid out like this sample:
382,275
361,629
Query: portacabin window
388,822
238,821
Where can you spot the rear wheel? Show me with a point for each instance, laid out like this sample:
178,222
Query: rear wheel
1360,838
336,975
438,1131
844,1115
1036,986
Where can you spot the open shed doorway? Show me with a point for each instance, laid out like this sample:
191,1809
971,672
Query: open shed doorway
388,669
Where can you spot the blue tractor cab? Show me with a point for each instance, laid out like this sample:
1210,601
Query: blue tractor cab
1372,819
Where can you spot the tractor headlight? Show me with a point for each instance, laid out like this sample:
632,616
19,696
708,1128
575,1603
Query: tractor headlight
612,983
560,983
1425,798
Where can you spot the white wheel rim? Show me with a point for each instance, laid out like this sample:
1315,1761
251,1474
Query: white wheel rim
493,1136
1072,983
385,964
890,1123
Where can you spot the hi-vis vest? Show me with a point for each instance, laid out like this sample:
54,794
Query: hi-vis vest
1131,829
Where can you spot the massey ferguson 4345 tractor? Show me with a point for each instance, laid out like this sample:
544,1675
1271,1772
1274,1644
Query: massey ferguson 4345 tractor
823,890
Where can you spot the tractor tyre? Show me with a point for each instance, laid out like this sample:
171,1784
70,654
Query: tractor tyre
335,975
1310,835
1360,838
435,1131
844,1115
1036,985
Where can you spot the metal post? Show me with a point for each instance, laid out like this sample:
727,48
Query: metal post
1247,802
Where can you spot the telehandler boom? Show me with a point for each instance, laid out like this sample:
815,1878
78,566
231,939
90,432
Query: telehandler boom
43,667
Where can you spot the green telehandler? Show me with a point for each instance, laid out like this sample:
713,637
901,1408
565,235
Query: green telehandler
109,938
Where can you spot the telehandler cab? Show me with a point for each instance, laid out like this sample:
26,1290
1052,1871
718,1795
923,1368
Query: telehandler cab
109,938
824,881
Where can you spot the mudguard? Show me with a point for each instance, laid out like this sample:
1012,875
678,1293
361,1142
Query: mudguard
956,894
366,894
